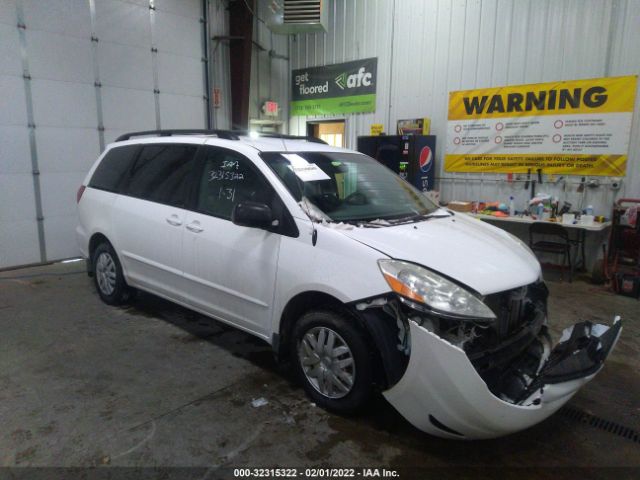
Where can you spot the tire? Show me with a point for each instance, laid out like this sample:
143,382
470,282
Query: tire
108,277
325,378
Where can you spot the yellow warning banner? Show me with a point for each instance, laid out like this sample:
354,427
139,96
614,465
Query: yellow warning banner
610,165
579,127
600,95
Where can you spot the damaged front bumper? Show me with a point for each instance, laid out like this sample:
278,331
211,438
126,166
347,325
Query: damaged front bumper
443,394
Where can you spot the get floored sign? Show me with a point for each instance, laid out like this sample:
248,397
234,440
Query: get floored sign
335,89
579,127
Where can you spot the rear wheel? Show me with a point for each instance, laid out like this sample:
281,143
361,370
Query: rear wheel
333,361
108,277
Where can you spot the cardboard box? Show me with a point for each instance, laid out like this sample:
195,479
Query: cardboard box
414,126
456,206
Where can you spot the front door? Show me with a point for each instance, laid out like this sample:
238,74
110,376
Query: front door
230,270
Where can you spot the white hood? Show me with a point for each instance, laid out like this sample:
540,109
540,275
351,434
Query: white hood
476,254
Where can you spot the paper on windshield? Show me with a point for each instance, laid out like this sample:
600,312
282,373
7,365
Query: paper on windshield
305,171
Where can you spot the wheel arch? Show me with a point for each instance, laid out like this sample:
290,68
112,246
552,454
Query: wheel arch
96,239
307,301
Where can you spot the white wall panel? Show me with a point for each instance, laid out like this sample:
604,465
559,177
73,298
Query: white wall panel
59,193
181,111
123,22
8,12
128,109
12,101
9,50
180,75
125,66
178,34
66,150
70,17
18,230
16,197
18,241
60,240
438,46
63,104
14,150
60,57
185,8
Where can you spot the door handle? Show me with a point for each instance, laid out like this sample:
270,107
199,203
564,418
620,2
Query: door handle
174,220
195,227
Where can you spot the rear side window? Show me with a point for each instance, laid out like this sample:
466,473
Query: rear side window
111,173
162,173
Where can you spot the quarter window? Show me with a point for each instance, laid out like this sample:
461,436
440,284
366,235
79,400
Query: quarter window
229,178
162,173
111,172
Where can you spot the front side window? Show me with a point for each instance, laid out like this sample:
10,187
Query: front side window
347,187
162,173
230,178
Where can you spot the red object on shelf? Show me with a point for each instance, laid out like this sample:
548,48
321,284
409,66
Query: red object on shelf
622,261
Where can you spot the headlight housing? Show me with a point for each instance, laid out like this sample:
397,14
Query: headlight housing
425,287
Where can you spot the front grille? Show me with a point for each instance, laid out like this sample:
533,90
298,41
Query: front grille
515,308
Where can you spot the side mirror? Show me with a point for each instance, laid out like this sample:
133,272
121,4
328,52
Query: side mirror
252,214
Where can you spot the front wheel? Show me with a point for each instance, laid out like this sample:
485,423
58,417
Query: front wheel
333,361
110,282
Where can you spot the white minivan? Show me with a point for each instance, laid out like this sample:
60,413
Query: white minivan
344,268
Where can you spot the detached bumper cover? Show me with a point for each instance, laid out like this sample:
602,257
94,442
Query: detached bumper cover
441,392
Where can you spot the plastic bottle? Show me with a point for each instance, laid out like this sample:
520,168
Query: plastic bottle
512,208
589,210
540,210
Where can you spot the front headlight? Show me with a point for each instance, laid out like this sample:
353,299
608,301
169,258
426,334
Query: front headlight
428,288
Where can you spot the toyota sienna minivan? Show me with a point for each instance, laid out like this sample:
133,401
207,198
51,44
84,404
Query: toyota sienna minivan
344,268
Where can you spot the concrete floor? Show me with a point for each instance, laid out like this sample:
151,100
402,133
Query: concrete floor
84,384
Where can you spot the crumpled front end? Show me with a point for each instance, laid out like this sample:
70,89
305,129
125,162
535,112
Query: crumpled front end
442,393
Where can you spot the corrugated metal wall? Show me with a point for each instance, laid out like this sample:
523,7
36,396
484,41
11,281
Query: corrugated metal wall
75,74
427,48
269,68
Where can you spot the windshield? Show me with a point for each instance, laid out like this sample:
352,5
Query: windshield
347,187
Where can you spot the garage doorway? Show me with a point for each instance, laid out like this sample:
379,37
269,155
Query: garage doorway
331,131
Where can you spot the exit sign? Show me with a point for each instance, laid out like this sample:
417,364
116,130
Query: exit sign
270,108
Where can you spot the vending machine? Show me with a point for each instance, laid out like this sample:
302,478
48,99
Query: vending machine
410,156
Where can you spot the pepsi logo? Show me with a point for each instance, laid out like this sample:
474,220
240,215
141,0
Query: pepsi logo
426,160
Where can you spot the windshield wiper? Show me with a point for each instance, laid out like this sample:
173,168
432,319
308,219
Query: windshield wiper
419,218
384,222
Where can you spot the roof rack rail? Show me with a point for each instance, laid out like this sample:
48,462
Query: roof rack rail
293,137
282,136
224,134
